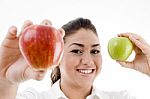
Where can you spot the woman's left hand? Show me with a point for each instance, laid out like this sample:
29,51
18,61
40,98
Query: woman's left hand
141,61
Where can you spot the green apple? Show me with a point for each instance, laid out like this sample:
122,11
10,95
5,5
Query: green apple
120,48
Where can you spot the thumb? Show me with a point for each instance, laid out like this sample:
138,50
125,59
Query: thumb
38,75
30,73
126,64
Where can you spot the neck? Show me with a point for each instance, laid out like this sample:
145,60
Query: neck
75,92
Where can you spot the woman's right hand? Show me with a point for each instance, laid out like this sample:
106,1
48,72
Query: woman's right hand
13,67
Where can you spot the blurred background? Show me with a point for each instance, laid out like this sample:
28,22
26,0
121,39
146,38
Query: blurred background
110,18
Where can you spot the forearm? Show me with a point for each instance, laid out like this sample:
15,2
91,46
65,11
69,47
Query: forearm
7,90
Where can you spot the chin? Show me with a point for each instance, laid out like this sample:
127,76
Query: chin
85,83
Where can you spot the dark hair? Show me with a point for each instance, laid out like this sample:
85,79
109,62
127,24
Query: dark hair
70,28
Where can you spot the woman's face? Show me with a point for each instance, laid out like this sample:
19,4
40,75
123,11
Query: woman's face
82,59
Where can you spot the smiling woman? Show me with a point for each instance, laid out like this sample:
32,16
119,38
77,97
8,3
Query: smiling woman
79,50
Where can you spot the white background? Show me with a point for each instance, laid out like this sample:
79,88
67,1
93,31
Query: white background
110,18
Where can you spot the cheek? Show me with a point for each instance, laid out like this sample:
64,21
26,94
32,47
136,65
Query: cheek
98,62
68,63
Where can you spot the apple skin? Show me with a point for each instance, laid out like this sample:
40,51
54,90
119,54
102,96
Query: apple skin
42,46
120,48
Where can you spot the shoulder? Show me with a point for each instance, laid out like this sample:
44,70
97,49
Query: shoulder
124,94
53,92
31,93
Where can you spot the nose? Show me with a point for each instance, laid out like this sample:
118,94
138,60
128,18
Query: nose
87,59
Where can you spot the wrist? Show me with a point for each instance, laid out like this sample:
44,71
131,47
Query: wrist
8,90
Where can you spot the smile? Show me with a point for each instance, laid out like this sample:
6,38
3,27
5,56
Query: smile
85,71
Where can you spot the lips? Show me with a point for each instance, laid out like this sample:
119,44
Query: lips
86,71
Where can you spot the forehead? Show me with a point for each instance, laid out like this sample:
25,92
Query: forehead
83,36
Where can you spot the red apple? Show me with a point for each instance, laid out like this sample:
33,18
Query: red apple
41,46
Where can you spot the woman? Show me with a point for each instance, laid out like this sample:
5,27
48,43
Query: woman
80,64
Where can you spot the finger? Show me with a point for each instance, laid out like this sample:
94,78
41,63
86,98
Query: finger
139,42
126,64
38,75
133,35
11,38
127,34
46,22
62,32
142,46
30,73
12,32
25,25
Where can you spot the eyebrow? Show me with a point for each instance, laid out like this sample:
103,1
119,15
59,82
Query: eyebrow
95,45
81,45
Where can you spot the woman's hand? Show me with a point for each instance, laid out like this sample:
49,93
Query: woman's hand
141,61
13,67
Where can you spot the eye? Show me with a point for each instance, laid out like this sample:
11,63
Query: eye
77,51
95,51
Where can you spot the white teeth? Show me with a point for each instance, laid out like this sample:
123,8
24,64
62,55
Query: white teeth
85,71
